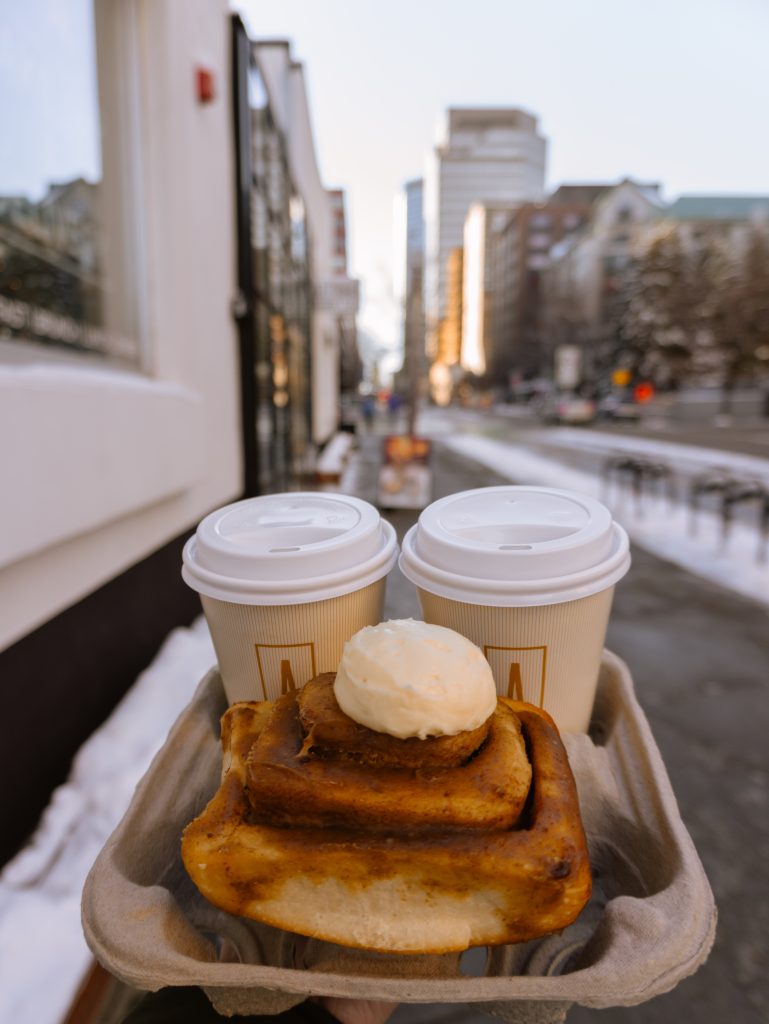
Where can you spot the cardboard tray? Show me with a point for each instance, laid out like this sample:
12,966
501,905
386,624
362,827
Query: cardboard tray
650,922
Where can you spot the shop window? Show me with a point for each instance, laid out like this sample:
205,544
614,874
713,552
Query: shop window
539,241
63,266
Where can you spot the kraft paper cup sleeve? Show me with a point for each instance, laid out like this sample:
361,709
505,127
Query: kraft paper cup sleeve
264,650
650,924
548,655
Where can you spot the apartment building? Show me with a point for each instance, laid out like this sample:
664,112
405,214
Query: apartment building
344,298
409,377
582,273
726,219
517,343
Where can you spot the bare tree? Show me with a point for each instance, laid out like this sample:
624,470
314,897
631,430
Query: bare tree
563,318
741,316
656,322
662,320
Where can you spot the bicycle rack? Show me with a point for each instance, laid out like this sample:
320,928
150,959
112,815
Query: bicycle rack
713,481
738,493
731,493
641,474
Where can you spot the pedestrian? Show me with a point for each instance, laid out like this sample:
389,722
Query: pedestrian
367,410
394,404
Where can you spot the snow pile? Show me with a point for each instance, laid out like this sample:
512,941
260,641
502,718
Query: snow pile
334,457
690,457
43,955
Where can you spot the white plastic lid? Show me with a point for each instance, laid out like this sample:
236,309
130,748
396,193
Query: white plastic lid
515,546
289,549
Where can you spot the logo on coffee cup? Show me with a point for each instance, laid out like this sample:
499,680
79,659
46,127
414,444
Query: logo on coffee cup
521,669
284,667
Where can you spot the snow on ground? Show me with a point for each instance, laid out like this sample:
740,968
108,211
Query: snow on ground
43,955
662,528
681,456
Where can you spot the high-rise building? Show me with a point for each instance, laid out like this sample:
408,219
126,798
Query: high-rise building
344,298
445,371
415,263
413,313
415,224
489,155
450,336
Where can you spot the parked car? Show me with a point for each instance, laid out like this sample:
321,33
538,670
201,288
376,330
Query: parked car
569,409
618,409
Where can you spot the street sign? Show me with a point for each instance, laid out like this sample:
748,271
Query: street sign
568,367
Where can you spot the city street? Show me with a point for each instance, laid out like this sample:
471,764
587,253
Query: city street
520,422
700,661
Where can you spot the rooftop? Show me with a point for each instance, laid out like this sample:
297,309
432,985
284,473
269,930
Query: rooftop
734,207
579,193
487,117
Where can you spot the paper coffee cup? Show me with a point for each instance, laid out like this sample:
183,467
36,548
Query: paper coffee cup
527,574
285,580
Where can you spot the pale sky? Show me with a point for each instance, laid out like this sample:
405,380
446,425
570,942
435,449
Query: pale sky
675,91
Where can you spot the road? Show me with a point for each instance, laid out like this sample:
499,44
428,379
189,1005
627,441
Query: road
750,437
700,659
739,451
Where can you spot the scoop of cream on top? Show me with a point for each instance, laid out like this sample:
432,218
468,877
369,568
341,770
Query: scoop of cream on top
410,678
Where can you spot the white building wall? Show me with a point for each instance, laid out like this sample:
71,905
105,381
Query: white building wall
325,361
473,354
623,208
284,79
102,467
